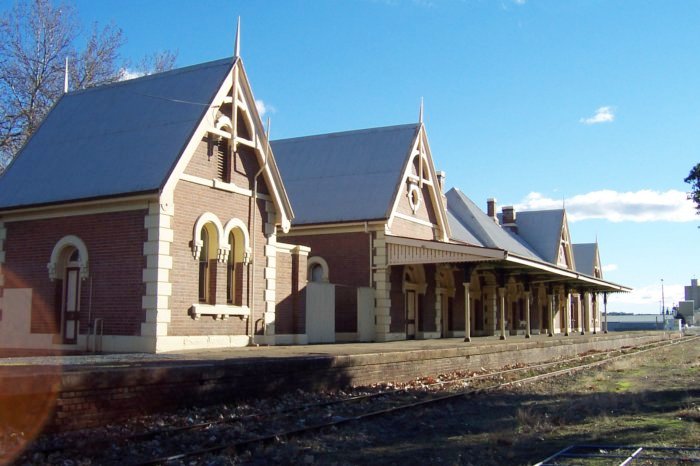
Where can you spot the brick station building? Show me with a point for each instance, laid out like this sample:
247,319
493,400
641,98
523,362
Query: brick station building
148,215
394,257
143,216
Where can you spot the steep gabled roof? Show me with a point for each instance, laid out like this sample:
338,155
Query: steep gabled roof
586,258
482,227
118,139
344,177
542,230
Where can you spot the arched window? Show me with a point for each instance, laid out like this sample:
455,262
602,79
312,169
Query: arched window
316,273
317,268
231,270
204,266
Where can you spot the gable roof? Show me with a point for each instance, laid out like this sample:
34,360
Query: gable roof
482,227
118,139
347,176
586,257
541,229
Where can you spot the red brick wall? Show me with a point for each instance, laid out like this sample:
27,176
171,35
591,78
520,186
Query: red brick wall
347,255
208,158
348,258
290,309
398,309
427,318
190,202
425,211
407,229
114,288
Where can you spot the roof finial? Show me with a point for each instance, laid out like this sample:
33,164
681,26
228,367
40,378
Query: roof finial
420,113
268,128
237,45
65,78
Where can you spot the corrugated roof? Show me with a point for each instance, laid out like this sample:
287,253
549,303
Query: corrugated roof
341,177
585,257
121,138
482,227
541,229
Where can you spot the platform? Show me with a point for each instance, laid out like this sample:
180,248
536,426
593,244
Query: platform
67,392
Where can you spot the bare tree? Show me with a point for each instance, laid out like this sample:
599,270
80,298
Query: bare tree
35,38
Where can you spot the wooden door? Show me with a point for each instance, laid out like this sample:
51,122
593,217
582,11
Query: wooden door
411,314
71,305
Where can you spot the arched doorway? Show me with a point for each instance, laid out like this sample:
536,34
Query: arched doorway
414,287
445,290
68,267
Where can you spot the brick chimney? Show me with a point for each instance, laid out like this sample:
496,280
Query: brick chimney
491,208
509,218
441,180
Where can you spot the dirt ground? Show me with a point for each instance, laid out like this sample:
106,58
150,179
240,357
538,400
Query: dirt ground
651,399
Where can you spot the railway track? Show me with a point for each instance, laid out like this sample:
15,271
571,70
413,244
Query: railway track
246,431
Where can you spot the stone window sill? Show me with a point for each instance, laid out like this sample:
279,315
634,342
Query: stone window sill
218,311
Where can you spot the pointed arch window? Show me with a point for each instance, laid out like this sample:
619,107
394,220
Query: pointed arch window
231,271
204,266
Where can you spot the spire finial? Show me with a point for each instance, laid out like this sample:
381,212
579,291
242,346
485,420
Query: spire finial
268,128
237,45
65,78
420,113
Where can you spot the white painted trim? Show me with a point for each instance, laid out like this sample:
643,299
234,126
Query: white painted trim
414,220
66,241
79,208
238,224
317,260
197,243
221,185
199,342
335,228
220,311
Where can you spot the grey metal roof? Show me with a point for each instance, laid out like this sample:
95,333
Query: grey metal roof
122,138
541,229
460,232
585,255
341,177
482,227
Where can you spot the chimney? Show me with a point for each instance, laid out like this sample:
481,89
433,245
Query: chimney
441,180
491,208
509,218
694,282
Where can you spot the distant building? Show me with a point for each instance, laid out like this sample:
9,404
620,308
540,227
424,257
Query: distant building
689,310
629,322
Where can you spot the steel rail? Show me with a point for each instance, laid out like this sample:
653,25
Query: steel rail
234,446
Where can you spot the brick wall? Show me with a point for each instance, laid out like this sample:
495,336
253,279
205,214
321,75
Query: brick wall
408,229
290,308
114,287
102,395
426,209
348,258
191,201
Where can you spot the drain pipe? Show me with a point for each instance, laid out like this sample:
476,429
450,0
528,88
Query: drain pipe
251,264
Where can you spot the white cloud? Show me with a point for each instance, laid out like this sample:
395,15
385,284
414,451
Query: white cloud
609,268
264,108
126,73
650,296
519,2
635,206
602,115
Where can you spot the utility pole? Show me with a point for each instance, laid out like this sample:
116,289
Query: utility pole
663,302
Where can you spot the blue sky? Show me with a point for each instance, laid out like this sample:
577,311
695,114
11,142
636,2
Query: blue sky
535,102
